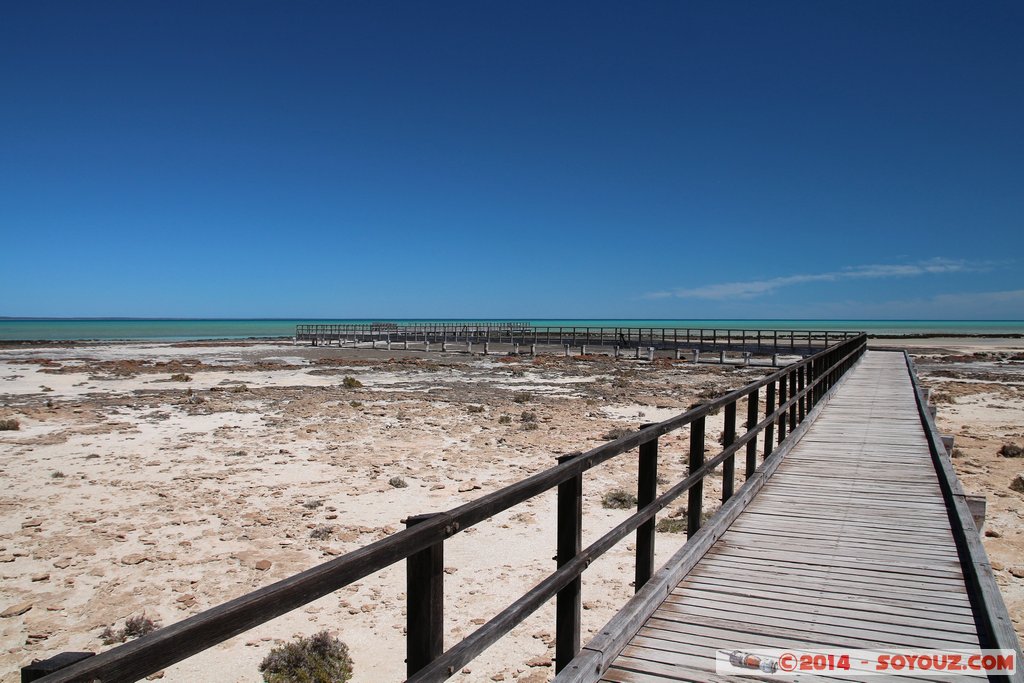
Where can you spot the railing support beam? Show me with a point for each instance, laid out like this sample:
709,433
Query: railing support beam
424,603
646,492
568,601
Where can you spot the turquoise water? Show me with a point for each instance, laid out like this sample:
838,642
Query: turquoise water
113,329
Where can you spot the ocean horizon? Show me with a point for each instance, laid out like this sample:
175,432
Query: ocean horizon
185,329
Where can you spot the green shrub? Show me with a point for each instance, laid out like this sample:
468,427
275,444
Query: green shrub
397,482
351,383
618,499
528,416
9,425
671,525
317,659
505,419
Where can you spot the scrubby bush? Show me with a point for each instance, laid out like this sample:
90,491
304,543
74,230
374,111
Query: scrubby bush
671,525
475,409
239,389
618,499
9,425
134,627
356,404
312,504
530,426
57,475
616,433
320,658
528,416
181,377
397,482
505,419
321,532
351,383
1011,450
522,397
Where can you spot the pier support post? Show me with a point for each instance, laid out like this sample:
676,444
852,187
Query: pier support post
405,345
636,354
515,348
533,349
746,357
567,352
469,347
444,344
721,357
583,349
424,640
426,346
696,355
615,351
650,353
775,360
679,353
487,348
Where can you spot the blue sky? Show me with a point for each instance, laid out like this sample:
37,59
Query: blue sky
518,159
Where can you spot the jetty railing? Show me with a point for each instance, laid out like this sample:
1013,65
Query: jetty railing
790,394
802,342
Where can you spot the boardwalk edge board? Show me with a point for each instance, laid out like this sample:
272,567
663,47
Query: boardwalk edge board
995,628
597,656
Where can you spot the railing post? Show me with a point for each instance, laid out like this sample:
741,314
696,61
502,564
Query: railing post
793,406
695,501
769,430
800,384
646,492
568,601
752,406
424,589
782,419
728,438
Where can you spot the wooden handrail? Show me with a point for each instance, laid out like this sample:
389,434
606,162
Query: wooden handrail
176,642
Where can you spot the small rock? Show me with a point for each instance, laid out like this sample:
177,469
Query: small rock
468,486
539,661
45,576
134,558
992,533
498,677
263,565
1018,484
153,677
1018,572
16,610
6,557
31,523
186,600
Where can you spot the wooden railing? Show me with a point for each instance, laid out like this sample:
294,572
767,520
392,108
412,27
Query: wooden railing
790,395
802,342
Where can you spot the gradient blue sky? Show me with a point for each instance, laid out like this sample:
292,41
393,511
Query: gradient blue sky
516,159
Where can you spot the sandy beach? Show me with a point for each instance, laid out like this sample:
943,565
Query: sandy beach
165,478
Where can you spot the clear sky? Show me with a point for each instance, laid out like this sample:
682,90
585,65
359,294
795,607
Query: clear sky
512,159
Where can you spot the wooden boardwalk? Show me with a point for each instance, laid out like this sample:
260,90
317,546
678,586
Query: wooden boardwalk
848,546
